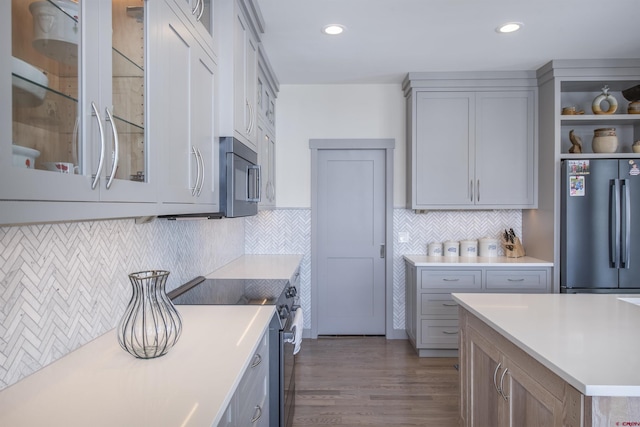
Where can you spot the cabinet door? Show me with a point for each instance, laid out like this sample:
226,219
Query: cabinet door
245,81
410,302
530,405
505,148
199,13
484,402
266,160
443,149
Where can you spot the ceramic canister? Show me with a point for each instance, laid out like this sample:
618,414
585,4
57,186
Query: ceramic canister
434,249
488,247
468,248
451,248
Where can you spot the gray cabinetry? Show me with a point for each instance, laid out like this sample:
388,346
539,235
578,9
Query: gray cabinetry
249,406
267,87
473,140
185,124
431,312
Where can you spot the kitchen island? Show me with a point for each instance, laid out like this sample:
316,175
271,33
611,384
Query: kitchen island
549,359
100,384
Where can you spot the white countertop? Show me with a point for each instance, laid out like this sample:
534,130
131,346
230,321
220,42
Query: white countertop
460,261
591,341
100,384
258,267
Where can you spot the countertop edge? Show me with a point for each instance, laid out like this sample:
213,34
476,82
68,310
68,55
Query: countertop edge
502,261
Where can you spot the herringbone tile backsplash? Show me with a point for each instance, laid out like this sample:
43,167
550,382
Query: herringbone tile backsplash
62,285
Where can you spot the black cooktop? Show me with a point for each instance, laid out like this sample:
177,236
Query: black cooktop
201,291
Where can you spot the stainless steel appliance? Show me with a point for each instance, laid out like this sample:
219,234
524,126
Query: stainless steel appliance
600,226
239,179
282,294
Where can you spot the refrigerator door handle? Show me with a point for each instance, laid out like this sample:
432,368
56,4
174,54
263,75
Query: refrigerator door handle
624,190
614,223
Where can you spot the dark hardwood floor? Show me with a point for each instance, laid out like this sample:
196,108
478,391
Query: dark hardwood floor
372,381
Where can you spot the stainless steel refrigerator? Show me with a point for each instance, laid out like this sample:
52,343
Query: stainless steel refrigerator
600,226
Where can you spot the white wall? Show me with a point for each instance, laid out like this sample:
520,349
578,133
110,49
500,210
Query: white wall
333,111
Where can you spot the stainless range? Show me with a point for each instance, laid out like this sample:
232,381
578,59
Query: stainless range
278,292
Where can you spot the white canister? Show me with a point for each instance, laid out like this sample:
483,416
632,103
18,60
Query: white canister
468,248
451,248
488,247
434,249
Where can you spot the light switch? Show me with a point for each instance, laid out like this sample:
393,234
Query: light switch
403,237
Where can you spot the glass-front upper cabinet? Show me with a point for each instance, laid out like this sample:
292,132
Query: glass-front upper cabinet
199,13
72,84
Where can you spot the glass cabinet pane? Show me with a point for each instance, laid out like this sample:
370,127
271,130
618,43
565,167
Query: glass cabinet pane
128,19
44,72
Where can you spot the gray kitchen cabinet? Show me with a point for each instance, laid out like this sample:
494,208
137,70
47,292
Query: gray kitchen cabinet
199,14
74,126
249,406
185,121
267,87
238,53
431,312
473,141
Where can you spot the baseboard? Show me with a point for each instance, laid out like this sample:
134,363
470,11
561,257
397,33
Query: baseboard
397,334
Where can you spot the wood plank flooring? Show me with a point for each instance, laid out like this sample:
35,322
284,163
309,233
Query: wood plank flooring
372,381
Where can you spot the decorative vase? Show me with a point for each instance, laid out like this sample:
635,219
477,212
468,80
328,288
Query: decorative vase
605,140
604,96
151,325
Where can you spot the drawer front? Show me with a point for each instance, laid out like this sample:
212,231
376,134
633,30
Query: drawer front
438,305
439,333
450,280
517,280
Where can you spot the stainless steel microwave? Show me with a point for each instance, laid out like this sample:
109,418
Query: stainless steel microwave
239,179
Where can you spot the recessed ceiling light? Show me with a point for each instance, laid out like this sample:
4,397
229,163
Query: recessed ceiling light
333,29
509,27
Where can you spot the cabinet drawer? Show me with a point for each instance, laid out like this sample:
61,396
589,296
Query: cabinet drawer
450,280
517,280
439,333
438,304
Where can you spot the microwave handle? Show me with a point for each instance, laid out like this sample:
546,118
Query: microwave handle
256,182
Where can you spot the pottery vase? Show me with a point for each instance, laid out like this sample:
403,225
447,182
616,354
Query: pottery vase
605,140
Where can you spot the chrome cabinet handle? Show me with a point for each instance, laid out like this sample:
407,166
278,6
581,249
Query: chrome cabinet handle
257,414
96,178
449,305
383,251
195,8
199,154
504,396
116,150
478,190
471,190
194,190
201,10
495,374
450,280
450,333
257,359
515,280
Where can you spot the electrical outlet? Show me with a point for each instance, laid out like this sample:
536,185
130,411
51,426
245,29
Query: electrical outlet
403,237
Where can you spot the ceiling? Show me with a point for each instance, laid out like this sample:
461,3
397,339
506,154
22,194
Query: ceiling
385,39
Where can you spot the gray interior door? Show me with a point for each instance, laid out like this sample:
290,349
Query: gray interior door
351,242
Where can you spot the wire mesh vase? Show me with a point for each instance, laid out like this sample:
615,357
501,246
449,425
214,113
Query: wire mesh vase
151,325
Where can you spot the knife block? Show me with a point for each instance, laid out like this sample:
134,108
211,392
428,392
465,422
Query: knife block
516,250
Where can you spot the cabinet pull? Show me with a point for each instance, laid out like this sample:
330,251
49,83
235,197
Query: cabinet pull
478,190
195,8
257,359
450,280
450,333
194,190
250,125
96,178
515,280
495,374
116,148
449,304
504,396
199,155
471,190
257,414
201,2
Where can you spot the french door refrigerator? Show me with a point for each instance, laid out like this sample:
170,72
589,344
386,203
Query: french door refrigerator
600,226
